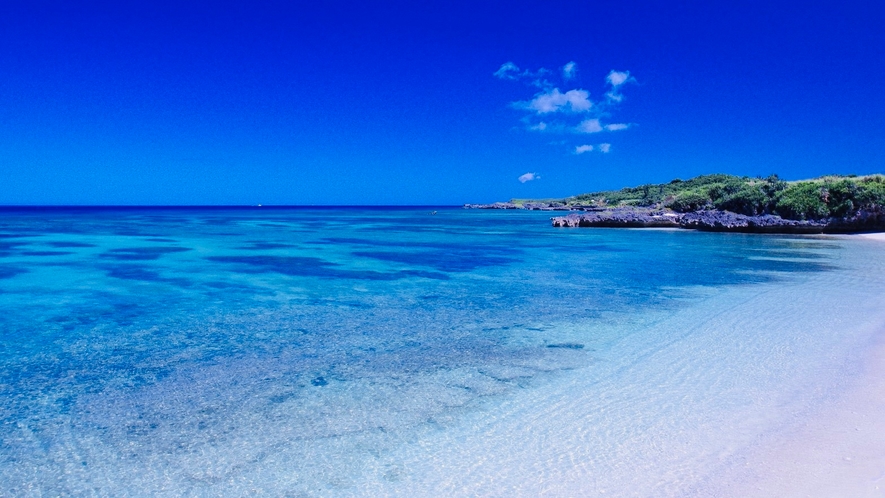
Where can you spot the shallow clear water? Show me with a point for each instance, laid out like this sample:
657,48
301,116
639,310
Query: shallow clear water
316,351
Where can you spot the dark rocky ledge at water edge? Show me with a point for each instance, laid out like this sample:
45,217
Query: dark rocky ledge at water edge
719,221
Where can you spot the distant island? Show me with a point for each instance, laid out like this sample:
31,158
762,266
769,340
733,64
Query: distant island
720,202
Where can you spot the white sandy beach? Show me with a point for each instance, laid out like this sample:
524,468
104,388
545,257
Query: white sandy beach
836,452
742,405
839,452
874,236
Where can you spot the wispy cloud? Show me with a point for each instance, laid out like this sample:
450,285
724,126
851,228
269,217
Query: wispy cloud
528,177
580,149
616,126
551,126
510,71
569,71
605,148
507,71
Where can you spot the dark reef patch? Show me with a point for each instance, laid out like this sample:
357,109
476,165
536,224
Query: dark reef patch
440,256
218,221
457,260
229,286
387,243
141,253
46,253
10,271
566,345
132,272
7,246
261,246
300,266
127,232
63,244
785,265
143,274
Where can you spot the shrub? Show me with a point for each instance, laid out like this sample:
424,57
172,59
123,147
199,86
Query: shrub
772,186
840,197
690,200
725,188
809,199
749,200
803,201
871,191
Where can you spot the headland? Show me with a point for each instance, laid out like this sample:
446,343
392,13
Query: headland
726,203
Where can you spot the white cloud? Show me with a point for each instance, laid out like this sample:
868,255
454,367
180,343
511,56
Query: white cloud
567,112
569,70
617,78
593,125
555,101
529,177
589,126
603,148
507,71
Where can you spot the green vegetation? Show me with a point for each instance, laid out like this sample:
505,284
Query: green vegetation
829,196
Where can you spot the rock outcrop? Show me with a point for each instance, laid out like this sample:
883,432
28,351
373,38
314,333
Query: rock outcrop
620,217
719,221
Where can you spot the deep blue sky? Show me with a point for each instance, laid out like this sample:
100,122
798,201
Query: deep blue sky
396,102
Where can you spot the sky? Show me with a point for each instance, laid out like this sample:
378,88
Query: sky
427,103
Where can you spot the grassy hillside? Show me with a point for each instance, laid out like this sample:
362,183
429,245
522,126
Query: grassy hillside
818,198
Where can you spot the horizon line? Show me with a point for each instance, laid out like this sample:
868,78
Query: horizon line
220,206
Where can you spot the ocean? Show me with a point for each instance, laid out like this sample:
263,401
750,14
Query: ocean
418,351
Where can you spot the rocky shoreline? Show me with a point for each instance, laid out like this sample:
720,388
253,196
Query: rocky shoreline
709,220
719,221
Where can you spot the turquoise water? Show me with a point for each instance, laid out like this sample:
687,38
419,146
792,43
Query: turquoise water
311,352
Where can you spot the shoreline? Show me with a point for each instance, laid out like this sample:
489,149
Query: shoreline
801,417
714,220
880,236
